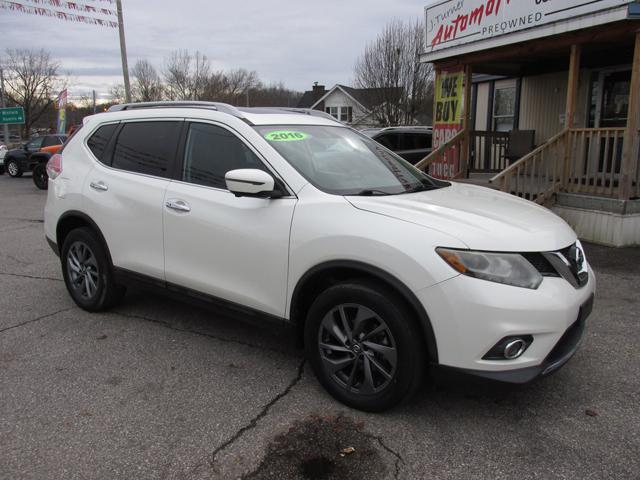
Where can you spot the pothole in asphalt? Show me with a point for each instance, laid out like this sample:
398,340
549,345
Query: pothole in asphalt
322,448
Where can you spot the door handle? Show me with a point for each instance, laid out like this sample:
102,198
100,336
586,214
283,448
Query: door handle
179,205
100,186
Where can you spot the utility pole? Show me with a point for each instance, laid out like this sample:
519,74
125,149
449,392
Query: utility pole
123,53
2,95
93,95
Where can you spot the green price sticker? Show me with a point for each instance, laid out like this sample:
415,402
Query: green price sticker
286,136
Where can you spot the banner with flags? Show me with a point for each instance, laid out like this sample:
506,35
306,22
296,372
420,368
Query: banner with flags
100,16
62,111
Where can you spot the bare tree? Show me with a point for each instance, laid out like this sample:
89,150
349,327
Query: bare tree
148,85
238,85
186,76
116,93
31,82
396,82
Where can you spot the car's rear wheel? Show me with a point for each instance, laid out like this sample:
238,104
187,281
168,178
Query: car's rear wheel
40,177
364,346
87,272
13,168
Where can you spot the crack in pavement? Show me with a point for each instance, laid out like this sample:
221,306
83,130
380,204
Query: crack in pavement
34,277
42,317
399,459
261,414
169,326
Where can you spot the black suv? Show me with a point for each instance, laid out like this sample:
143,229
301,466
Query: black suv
18,160
411,143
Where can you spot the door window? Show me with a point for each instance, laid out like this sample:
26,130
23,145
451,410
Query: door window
213,151
147,147
35,144
504,108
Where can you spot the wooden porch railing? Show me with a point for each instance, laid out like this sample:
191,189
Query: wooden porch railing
488,151
446,161
537,175
596,157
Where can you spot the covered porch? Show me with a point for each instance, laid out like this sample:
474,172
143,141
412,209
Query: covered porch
550,115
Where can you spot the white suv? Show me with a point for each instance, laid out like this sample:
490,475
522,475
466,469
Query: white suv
290,216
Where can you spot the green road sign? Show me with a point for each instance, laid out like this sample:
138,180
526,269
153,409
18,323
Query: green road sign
13,115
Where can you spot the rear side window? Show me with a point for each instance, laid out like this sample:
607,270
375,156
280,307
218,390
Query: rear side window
213,151
147,147
97,142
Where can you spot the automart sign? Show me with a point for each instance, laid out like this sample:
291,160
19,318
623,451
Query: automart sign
456,22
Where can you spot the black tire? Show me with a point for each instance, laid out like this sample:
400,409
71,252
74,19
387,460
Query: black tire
102,292
40,177
13,168
397,330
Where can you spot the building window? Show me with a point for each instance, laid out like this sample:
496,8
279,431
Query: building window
504,107
344,114
333,111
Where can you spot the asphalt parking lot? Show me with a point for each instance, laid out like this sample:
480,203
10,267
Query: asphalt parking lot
161,389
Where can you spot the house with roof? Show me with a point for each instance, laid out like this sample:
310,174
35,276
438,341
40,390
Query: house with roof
353,106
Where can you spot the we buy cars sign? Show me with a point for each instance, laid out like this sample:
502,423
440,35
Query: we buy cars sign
447,120
457,22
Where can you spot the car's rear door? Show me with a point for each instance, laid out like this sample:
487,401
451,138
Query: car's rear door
233,248
125,191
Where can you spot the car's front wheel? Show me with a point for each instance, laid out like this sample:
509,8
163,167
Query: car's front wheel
40,177
364,346
13,168
87,272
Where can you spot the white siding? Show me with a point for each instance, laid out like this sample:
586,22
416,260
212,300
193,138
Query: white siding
339,99
543,103
482,106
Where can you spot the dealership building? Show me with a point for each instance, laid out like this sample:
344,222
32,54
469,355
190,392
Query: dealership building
541,98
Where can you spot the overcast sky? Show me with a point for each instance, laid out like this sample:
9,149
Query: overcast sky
297,42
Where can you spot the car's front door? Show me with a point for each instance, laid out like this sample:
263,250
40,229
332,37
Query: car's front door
233,248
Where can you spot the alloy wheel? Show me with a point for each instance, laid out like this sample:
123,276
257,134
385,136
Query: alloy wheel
82,268
12,168
357,349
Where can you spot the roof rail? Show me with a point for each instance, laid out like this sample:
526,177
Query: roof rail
220,107
308,111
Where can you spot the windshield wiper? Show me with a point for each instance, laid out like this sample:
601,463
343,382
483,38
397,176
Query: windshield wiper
371,192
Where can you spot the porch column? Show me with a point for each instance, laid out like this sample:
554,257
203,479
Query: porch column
630,159
572,93
464,153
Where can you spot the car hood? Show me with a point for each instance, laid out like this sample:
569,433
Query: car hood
482,218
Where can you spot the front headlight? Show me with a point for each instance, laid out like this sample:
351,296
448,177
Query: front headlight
507,268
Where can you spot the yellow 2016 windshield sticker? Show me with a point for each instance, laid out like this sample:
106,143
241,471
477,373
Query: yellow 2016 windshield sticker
286,136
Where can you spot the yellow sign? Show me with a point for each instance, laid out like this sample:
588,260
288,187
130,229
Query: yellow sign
448,101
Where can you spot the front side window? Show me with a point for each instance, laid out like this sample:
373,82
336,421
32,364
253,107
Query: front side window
341,161
211,152
147,147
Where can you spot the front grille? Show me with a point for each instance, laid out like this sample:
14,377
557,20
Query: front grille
541,264
568,263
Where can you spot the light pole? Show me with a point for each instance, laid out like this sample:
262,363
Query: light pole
123,53
2,103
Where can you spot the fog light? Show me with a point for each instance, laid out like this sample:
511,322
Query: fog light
514,349
509,348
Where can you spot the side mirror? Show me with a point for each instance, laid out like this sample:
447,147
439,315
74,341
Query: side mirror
250,182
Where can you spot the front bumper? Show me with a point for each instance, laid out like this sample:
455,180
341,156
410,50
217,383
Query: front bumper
469,316
566,347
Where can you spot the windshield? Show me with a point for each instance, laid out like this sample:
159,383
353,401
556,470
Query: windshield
341,161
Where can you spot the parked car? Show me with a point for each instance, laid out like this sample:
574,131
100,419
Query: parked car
411,143
20,160
292,217
3,152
